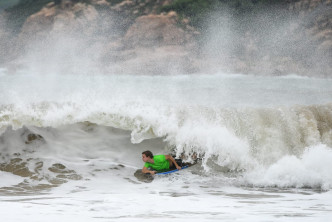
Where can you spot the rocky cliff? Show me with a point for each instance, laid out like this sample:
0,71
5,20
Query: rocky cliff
135,36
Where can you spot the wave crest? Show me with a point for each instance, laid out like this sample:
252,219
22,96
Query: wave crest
263,146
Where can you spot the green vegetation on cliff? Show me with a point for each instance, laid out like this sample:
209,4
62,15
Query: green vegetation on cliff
17,14
193,9
197,10
7,3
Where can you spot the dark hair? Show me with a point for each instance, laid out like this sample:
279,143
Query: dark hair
148,153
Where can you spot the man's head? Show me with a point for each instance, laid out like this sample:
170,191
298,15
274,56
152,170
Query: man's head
146,155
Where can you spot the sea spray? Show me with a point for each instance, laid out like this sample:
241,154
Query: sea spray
310,170
240,132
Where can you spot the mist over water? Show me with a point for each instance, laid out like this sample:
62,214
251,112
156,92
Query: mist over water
272,41
92,39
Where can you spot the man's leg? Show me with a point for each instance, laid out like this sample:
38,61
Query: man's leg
170,164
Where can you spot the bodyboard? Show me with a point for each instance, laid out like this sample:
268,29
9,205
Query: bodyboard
172,171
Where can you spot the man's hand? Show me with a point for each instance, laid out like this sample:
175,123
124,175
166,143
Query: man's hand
146,170
178,167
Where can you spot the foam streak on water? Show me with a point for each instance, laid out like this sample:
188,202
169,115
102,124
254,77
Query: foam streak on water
70,144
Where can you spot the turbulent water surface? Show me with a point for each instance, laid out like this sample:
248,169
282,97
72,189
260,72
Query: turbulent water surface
70,145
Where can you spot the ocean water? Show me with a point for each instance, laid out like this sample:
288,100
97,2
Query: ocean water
70,145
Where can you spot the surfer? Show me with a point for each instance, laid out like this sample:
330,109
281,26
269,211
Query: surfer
157,162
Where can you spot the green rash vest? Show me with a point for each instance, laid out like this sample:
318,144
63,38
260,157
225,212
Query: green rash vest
160,163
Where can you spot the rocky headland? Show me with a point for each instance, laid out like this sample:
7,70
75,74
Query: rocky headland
155,37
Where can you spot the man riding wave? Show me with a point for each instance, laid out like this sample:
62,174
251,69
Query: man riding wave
157,162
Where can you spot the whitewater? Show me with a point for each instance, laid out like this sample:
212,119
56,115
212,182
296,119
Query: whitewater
71,143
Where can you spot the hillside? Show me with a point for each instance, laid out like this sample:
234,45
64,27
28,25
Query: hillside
172,36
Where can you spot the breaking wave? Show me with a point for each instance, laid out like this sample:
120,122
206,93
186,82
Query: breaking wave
277,132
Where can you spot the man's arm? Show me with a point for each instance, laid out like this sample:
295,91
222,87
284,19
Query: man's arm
169,157
146,170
